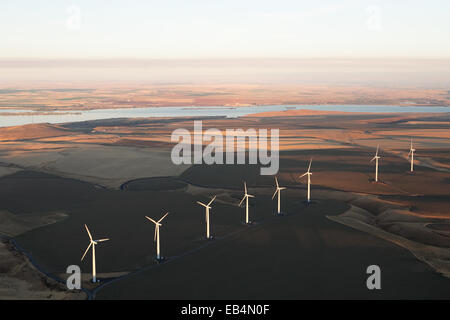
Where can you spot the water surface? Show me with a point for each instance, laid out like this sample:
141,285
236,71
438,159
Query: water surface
189,111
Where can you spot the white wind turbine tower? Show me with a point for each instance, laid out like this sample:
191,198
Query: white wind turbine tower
246,196
207,207
309,174
411,153
92,243
156,238
278,190
376,157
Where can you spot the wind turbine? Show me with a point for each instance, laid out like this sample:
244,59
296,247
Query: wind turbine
411,153
246,196
308,173
278,190
156,238
376,157
207,207
92,243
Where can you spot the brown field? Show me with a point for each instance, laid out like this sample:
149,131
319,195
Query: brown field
57,97
76,170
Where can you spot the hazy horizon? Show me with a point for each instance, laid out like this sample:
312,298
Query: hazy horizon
353,72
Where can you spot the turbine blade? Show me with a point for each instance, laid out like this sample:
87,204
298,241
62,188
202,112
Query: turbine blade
282,188
376,154
240,203
212,200
309,167
87,229
245,187
303,175
154,238
90,244
163,217
275,193
151,220
101,240
251,196
276,181
202,204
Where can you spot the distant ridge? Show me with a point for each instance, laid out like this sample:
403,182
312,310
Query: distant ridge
33,131
297,112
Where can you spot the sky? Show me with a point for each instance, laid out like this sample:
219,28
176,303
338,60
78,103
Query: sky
387,42
199,29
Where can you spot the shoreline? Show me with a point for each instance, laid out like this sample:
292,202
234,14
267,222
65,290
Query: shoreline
30,110
183,112
30,275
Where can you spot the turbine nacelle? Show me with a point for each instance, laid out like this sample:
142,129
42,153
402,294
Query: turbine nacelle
99,240
411,156
307,172
376,157
157,224
156,237
91,242
202,204
245,198
246,195
208,206
376,154
411,149
278,188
